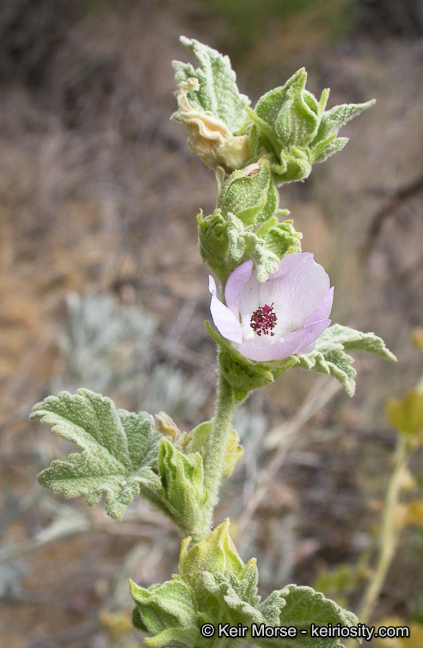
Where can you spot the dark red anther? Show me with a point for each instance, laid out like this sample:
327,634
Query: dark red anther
263,320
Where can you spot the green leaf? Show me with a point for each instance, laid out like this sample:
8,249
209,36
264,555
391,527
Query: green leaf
213,238
182,492
301,607
164,604
214,571
119,450
225,242
217,93
333,119
266,246
323,150
168,612
297,121
198,442
330,357
250,194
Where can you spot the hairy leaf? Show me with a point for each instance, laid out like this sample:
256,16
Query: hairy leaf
198,442
217,92
330,357
300,607
119,450
182,492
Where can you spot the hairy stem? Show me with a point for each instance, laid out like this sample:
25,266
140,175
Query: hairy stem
389,534
216,450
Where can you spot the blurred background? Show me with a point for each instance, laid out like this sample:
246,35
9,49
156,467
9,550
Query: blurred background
101,286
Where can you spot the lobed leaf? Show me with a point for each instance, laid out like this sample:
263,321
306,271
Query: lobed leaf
330,357
300,607
119,450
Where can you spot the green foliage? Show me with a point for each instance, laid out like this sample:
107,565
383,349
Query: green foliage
182,491
242,374
225,243
294,128
163,608
330,357
199,440
215,586
300,607
217,92
119,450
250,194
211,108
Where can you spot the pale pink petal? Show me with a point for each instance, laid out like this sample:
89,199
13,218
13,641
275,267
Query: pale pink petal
296,294
237,281
324,309
225,321
292,262
262,349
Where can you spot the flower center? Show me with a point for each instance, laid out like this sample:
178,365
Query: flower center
263,320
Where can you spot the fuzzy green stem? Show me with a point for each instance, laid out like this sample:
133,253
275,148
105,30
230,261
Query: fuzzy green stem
216,450
389,535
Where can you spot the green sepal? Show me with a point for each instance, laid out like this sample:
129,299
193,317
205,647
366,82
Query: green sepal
120,450
243,374
330,357
214,244
297,121
295,130
167,611
218,92
182,478
225,243
213,562
332,120
250,194
199,439
292,166
300,606
266,246
323,150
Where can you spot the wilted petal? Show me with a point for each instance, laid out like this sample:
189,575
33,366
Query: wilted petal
226,322
210,138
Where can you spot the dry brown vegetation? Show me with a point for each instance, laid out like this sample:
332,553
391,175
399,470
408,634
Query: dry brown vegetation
99,192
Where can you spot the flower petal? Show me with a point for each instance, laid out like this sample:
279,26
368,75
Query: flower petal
237,281
297,292
263,349
292,262
225,321
324,309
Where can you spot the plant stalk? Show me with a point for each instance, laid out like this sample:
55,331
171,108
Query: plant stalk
216,451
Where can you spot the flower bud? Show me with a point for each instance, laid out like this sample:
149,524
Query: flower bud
209,137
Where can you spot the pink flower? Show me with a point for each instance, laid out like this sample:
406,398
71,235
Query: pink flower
277,318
